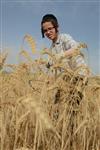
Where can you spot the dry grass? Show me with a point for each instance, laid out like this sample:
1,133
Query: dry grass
49,109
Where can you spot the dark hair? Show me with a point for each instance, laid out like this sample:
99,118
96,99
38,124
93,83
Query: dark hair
49,18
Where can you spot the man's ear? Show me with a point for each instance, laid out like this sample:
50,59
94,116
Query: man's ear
57,29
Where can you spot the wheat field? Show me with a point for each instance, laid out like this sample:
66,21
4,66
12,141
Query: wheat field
48,109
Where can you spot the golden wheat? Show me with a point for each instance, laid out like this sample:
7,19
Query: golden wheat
49,109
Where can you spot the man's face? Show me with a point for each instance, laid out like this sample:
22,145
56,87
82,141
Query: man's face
49,31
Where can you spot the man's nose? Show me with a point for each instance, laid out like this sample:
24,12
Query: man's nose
48,31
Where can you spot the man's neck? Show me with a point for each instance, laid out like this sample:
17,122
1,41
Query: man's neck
54,41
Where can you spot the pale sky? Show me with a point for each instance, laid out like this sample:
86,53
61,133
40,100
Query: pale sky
80,19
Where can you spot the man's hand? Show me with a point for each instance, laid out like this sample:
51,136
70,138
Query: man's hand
60,55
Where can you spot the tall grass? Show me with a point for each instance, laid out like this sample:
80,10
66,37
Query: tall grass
49,109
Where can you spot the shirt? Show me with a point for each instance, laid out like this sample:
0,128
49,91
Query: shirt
64,43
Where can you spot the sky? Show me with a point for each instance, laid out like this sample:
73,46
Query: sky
79,18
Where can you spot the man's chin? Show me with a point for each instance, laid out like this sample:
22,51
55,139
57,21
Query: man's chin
51,38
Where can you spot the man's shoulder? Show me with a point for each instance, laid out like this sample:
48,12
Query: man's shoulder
64,36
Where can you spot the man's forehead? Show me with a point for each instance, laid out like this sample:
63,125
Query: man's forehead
47,24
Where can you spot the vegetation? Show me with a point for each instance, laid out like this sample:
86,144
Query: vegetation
48,109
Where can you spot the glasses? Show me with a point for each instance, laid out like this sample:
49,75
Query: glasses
49,29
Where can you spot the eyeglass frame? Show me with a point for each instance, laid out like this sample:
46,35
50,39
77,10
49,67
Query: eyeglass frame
49,29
